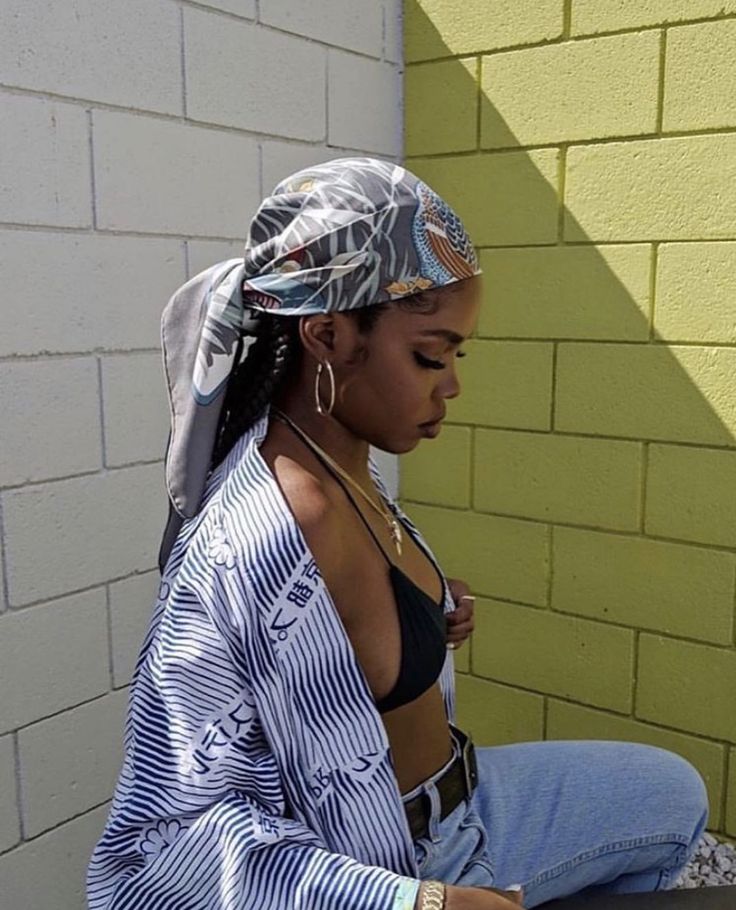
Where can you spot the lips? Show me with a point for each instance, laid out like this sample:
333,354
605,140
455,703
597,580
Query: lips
431,423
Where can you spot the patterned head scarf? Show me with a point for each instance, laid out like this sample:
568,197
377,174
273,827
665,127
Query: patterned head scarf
336,236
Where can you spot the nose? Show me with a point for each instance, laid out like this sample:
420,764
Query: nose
450,384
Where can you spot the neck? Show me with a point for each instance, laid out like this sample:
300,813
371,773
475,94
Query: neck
348,450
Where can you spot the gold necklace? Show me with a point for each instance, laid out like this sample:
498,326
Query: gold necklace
393,524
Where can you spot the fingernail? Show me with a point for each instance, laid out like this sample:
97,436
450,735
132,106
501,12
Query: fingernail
468,597
512,888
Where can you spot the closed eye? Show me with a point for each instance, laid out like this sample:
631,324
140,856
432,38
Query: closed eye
430,364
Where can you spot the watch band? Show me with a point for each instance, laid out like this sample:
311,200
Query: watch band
433,895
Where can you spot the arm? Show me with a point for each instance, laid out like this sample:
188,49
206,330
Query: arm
198,818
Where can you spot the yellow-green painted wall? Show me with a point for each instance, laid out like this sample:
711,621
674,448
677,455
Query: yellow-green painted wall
585,485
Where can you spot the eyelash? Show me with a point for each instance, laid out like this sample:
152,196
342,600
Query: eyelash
430,364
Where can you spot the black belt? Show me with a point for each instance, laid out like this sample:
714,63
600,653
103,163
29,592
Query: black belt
455,785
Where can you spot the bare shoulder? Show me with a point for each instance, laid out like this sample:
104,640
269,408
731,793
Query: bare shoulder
314,509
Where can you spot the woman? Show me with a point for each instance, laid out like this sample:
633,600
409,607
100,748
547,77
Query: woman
290,739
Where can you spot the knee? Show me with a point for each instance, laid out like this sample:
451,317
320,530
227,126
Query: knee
683,791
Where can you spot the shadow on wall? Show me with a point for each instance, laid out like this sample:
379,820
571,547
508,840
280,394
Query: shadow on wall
604,422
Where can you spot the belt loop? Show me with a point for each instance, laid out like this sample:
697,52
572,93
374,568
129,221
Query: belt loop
435,809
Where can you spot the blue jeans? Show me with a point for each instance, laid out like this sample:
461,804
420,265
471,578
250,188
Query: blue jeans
560,818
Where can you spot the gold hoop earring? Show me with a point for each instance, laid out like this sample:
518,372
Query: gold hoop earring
318,403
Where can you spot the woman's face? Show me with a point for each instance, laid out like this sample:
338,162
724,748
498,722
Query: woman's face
394,394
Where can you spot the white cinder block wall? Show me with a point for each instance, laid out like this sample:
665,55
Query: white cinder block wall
137,140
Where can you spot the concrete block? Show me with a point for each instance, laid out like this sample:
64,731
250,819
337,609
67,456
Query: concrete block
172,178
646,391
54,864
592,16
282,159
378,128
461,659
127,55
84,531
731,803
566,721
9,824
69,763
499,557
35,412
675,686
559,655
45,172
505,384
393,31
647,584
131,606
497,715
136,408
506,199
572,91
204,253
245,9
567,292
690,494
568,479
99,292
448,86
53,656
700,83
656,189
438,471
696,271
351,24
443,28
258,80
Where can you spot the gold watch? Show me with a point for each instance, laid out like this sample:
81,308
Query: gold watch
433,895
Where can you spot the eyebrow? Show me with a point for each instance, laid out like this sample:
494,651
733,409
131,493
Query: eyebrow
450,336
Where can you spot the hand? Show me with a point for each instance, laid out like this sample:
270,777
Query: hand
460,622
481,898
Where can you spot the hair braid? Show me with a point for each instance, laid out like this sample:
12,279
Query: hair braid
253,382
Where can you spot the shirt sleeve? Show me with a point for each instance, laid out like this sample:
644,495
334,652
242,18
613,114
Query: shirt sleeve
199,821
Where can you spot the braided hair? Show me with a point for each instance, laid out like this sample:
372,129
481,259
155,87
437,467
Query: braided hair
255,380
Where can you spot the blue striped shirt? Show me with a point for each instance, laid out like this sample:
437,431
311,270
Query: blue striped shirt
257,770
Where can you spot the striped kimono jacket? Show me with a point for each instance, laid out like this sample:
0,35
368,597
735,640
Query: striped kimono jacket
257,770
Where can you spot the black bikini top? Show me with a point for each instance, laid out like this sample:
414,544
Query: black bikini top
423,627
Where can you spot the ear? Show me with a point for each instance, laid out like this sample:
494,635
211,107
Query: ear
328,336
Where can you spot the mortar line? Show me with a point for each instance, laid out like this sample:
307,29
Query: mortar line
93,184
102,472
635,672
108,625
733,618
643,489
45,356
630,534
68,708
561,175
187,263
566,20
189,121
653,266
588,36
5,590
56,827
267,26
183,62
660,83
478,100
19,798
87,589
100,398
550,564
598,141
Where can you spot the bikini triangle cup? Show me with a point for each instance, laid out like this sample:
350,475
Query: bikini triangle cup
422,620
